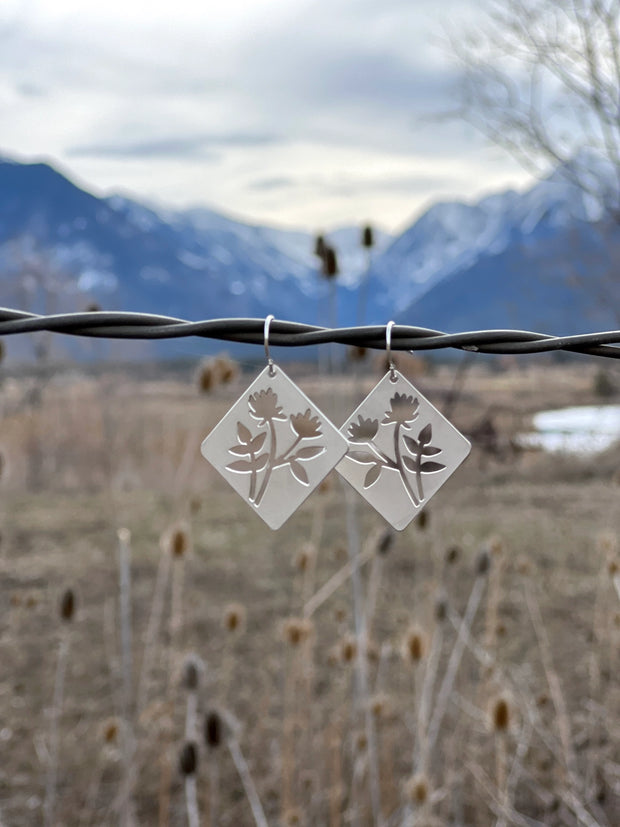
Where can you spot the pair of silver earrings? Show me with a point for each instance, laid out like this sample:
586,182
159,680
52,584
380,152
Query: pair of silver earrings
274,446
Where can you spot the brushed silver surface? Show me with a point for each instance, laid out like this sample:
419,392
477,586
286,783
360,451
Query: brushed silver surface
401,449
274,446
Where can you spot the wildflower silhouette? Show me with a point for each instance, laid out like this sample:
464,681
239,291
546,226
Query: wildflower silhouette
263,406
404,410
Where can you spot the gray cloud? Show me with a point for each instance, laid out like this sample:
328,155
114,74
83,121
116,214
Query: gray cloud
191,147
31,90
278,182
349,78
401,184
349,186
337,80
340,72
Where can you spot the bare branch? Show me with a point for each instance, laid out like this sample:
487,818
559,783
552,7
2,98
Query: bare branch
541,78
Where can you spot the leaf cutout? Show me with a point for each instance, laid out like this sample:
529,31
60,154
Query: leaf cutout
244,435
362,456
430,451
409,464
309,452
411,444
429,467
239,450
426,434
257,443
373,475
299,472
241,466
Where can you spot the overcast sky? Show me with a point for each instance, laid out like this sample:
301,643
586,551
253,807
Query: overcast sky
308,113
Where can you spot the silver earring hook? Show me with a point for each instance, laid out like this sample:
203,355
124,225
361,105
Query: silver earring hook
268,321
388,351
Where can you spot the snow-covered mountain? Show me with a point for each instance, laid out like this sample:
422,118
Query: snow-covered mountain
63,247
518,259
541,260
450,237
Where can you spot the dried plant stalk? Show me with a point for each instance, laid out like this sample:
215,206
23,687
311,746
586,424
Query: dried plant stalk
454,661
248,784
57,702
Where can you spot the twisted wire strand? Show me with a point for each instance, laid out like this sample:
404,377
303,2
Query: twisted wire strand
125,325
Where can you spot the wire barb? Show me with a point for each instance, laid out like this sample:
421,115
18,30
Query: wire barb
124,325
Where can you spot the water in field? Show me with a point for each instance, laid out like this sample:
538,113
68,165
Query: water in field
579,430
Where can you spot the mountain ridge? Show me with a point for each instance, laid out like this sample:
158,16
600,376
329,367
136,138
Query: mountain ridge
61,245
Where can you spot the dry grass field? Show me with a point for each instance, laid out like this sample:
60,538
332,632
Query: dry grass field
462,672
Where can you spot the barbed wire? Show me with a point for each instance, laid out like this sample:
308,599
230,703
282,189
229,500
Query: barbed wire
126,325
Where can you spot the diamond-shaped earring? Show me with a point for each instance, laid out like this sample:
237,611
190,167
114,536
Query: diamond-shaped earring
401,448
274,446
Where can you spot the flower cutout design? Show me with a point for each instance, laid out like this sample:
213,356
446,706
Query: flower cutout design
364,430
404,409
264,406
305,425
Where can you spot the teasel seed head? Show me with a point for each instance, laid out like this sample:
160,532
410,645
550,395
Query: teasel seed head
292,817
524,566
380,705
297,630
500,714
206,377
357,353
340,552
361,741
213,729
340,614
226,369
441,606
319,246
483,563
234,618
496,546
110,730
178,540
453,554
417,789
188,758
367,236
192,672
304,557
330,263
423,519
348,649
67,605
385,542
414,645
373,653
